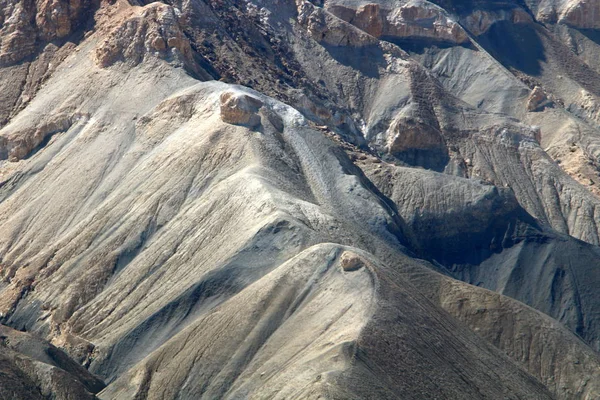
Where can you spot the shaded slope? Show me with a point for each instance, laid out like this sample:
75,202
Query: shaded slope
31,368
545,348
483,237
309,316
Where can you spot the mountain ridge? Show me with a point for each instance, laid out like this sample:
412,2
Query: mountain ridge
375,199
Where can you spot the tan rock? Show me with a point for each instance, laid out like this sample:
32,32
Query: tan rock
26,25
412,134
350,261
479,21
369,19
537,99
580,14
420,20
153,31
324,27
240,109
56,17
19,144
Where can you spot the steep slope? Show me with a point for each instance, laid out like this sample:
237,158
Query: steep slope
34,369
546,349
135,312
484,72
181,237
483,236
328,324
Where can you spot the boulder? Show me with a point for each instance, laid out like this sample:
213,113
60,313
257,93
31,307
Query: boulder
240,109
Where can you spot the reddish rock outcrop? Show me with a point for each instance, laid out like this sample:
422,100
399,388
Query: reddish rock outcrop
154,31
368,18
27,25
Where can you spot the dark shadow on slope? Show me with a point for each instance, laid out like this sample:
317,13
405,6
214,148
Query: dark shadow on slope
434,159
555,274
259,257
365,59
466,7
424,45
592,34
517,46
472,247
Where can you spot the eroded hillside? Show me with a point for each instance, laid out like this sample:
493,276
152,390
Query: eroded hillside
292,199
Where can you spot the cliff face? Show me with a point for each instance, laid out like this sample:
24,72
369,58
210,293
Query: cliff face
274,199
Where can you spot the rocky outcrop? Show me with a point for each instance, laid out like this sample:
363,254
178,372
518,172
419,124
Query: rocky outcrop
152,31
415,20
240,109
28,25
422,20
326,28
18,33
351,261
416,143
19,144
57,19
537,99
479,22
34,40
368,17
578,14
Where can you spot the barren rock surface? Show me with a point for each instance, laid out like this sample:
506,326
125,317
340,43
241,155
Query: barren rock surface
299,199
34,369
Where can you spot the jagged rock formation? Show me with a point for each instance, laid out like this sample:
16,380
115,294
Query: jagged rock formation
378,199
